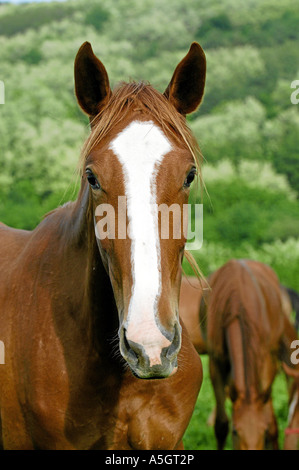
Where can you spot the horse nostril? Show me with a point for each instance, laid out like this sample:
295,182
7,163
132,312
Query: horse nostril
174,348
127,350
151,354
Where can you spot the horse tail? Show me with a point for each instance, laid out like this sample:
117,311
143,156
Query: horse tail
238,355
244,318
228,326
235,295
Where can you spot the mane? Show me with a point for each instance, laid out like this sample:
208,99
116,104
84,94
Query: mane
240,292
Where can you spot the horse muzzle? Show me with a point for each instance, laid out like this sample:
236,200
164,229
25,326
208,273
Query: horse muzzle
149,357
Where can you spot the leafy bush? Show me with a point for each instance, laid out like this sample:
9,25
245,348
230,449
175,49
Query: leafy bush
283,257
96,16
250,203
233,132
17,19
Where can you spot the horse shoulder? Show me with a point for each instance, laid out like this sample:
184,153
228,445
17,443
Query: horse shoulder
12,242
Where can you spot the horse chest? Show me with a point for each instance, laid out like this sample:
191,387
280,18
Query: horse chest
115,421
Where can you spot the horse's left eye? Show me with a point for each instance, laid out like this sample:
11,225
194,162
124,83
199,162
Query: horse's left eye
190,178
92,180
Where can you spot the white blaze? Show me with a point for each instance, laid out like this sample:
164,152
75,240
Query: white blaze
140,148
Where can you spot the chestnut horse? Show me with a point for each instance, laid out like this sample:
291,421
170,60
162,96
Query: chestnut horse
86,317
193,295
243,326
195,291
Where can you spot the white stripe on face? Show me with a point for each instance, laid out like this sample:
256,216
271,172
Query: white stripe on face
140,148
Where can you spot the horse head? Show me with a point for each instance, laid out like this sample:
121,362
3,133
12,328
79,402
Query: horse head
140,157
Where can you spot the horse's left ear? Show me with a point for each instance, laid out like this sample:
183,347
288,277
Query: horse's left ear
185,90
91,81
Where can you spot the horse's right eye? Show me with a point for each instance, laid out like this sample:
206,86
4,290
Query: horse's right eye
92,180
190,178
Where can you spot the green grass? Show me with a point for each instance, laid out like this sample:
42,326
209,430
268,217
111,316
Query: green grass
200,436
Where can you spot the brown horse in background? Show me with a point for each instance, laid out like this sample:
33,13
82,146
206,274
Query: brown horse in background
291,369
291,440
194,296
90,322
191,297
194,292
243,327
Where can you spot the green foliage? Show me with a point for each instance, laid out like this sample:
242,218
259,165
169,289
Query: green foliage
245,121
284,145
17,19
247,127
233,132
233,74
283,257
96,16
249,203
220,29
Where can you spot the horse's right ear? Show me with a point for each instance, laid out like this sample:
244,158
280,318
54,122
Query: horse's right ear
91,81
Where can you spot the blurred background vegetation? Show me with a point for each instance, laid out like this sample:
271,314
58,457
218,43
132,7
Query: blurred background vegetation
247,127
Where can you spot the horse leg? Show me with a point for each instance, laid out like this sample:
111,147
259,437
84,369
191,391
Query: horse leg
13,429
272,434
180,446
221,425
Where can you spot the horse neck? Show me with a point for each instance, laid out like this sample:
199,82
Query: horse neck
87,283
